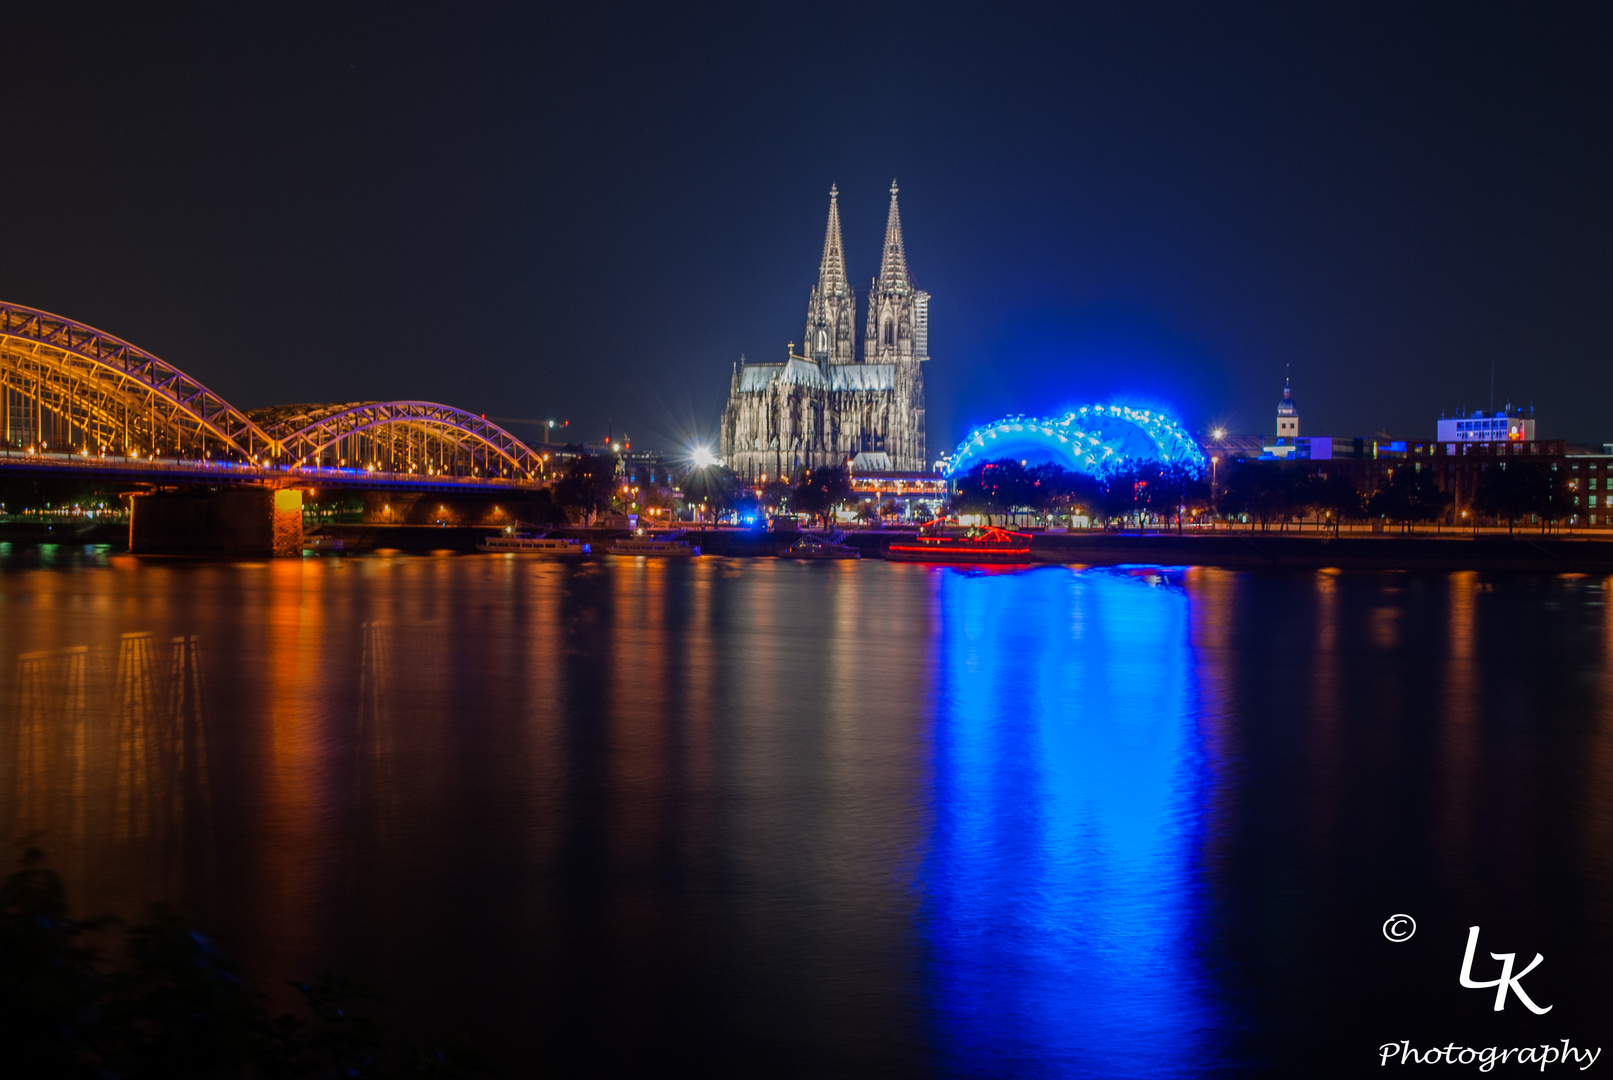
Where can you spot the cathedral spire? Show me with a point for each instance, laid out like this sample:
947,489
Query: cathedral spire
893,273
832,308
832,279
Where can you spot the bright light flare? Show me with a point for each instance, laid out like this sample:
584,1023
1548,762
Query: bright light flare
701,457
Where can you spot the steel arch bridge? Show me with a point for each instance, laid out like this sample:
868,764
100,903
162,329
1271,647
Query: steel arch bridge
1090,439
419,437
69,390
71,387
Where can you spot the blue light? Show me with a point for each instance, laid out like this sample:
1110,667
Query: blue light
1089,439
1061,905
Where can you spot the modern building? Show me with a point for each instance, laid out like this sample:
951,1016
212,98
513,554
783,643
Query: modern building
906,489
1505,426
828,405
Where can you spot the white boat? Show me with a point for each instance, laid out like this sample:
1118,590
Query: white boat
554,548
634,545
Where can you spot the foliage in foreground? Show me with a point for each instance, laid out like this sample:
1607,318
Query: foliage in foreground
170,1007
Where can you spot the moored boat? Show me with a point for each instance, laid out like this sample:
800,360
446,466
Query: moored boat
553,547
818,547
975,547
655,549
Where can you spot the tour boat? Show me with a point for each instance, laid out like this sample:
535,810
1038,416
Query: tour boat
634,545
552,547
817,547
976,546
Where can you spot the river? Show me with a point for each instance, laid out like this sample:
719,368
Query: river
768,818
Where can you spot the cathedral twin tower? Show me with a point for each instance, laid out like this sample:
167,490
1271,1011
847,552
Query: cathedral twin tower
827,406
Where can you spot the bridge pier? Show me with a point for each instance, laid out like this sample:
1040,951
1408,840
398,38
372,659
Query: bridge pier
221,521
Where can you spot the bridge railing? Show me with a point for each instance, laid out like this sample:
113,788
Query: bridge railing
193,468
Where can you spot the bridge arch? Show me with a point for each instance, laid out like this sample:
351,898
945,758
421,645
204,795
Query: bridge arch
398,436
68,386
1089,439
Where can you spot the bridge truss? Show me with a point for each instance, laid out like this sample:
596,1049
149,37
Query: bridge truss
419,437
68,387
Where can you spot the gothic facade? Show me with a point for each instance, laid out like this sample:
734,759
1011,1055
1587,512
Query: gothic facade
827,405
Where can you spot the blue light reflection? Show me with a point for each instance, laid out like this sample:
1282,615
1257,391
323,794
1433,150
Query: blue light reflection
1060,886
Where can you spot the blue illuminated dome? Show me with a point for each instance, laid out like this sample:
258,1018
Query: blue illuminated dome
1090,439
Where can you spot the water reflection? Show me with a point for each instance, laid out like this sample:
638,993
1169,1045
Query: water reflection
758,817
109,744
1060,900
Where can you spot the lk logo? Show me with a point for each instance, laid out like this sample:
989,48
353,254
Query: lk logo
1507,981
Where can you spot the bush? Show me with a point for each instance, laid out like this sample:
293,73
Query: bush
171,1007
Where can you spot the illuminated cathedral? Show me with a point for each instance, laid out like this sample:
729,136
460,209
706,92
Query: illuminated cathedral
826,405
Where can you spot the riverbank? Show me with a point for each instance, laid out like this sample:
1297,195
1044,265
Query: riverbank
67,531
1522,552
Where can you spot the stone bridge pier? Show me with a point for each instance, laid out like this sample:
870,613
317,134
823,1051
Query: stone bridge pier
256,521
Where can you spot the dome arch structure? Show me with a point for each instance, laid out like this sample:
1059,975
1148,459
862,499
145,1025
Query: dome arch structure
1091,439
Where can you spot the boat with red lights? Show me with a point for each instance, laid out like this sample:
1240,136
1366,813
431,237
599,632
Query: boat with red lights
974,546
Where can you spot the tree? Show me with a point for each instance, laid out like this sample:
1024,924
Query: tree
1266,491
718,489
1335,498
991,488
587,486
774,494
819,492
1118,492
1169,488
1409,495
1502,492
1518,489
1068,492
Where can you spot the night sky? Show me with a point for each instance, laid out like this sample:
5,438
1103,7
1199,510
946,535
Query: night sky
590,212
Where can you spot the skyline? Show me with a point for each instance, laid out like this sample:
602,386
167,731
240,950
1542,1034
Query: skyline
1167,208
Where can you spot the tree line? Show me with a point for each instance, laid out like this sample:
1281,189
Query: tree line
1407,494
1126,493
1265,493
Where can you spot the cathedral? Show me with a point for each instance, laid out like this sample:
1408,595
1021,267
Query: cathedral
827,405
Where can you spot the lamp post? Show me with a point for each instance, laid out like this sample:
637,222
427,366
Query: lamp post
1215,460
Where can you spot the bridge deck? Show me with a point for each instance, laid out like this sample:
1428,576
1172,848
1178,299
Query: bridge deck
184,471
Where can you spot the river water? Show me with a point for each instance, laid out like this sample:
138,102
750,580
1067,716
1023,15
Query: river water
766,818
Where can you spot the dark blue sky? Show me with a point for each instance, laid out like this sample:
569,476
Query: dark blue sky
591,211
